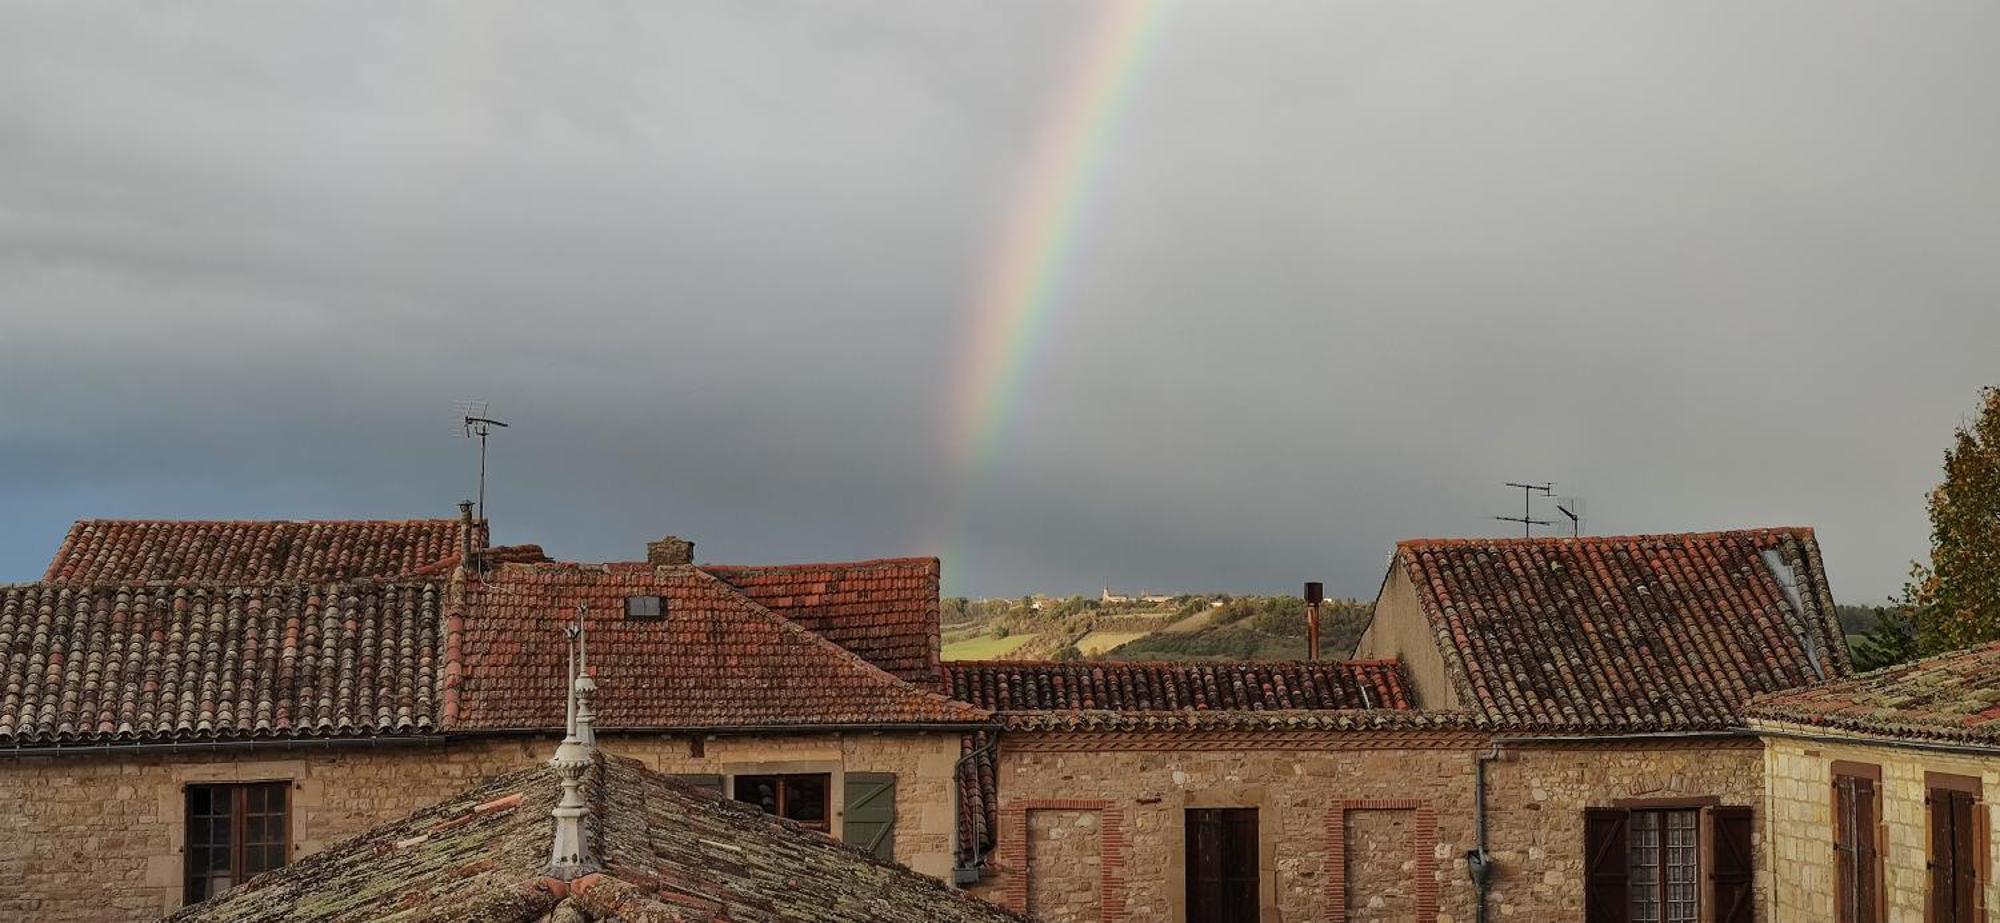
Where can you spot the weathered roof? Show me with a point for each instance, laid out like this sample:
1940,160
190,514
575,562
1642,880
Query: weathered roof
670,852
886,611
113,664
717,659
1953,697
1008,686
1644,632
129,551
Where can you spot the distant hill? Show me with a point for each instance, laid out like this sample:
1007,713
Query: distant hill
1187,627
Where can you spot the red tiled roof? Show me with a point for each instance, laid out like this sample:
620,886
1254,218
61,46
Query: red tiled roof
669,851
110,664
1645,632
1009,686
715,660
485,558
886,611
121,551
1953,697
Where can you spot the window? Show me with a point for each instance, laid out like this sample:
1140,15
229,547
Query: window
802,798
1857,812
645,607
1954,851
1222,865
1645,864
234,832
1662,865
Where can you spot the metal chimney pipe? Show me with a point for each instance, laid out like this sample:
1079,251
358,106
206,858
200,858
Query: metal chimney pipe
1315,594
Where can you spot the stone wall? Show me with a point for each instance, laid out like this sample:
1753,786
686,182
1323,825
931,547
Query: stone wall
1538,795
98,837
1799,822
1353,826
1066,846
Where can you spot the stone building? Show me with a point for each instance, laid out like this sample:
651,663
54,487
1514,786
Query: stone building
1878,785
189,704
165,738
1576,703
657,849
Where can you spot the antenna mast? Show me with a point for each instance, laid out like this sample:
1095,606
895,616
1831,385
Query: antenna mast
1527,518
1572,509
478,424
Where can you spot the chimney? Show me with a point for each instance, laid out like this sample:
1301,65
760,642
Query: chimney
670,550
465,533
1315,594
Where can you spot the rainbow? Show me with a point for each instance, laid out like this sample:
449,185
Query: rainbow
1023,280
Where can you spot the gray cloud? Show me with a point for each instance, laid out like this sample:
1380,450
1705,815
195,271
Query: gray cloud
1349,266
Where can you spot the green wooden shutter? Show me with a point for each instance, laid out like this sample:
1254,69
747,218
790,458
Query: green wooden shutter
869,821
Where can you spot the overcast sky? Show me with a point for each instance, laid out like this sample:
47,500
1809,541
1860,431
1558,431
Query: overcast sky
1349,267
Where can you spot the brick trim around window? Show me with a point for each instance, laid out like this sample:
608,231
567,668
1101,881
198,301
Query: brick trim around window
1112,852
1424,843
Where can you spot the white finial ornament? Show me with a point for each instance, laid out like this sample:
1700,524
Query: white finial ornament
570,857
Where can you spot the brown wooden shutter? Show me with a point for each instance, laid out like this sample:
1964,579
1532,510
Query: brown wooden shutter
1867,854
1857,858
1605,866
1845,887
1965,864
1733,870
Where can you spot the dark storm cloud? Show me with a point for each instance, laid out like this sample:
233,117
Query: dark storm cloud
1348,268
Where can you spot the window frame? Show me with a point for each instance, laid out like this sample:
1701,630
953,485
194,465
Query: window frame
238,796
1661,814
823,825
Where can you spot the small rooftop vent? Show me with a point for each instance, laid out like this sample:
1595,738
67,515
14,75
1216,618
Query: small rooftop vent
645,608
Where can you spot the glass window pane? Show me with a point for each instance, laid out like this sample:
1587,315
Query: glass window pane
805,798
761,791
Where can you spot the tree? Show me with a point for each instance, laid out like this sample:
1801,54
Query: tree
1955,601
1891,640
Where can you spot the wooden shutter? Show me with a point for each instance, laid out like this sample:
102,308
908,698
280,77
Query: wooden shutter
1221,866
705,781
1733,869
1955,856
869,818
1605,866
1857,858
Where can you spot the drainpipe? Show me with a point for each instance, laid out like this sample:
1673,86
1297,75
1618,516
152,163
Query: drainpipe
1479,861
966,874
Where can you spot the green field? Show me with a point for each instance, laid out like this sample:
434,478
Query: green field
1098,642
985,647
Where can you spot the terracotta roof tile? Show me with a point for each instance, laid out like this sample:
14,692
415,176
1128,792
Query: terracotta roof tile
119,551
716,659
110,664
1647,632
886,611
670,853
1008,686
1953,697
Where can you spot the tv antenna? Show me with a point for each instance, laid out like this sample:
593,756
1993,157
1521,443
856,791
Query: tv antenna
1527,518
478,424
1572,510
